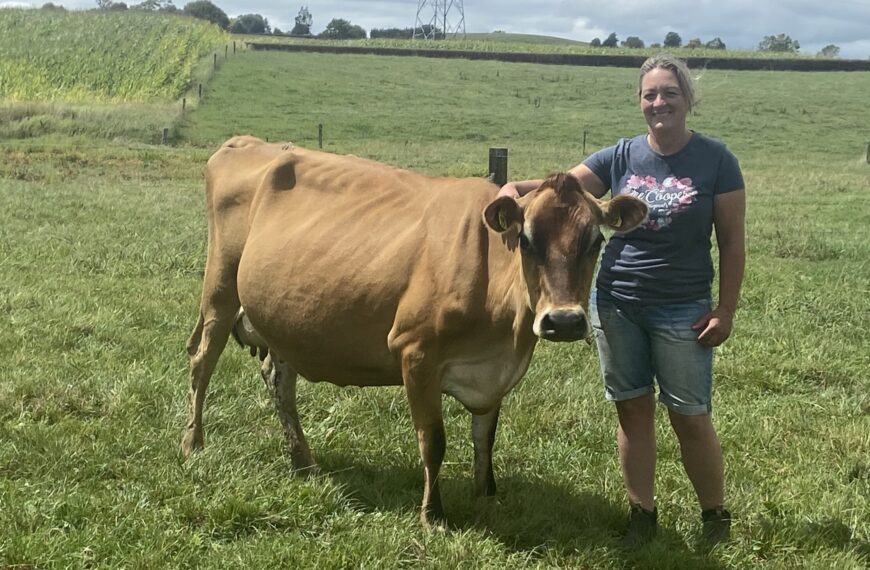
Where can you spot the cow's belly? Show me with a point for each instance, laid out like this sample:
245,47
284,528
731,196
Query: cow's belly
481,381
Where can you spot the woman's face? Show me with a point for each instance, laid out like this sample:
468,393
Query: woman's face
662,101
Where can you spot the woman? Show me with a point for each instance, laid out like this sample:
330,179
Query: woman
651,308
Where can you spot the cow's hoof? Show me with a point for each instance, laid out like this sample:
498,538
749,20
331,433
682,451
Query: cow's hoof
438,525
190,443
434,520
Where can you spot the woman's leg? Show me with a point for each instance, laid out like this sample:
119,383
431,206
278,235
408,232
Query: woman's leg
702,457
637,449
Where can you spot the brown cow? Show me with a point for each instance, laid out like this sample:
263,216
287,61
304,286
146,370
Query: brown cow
358,273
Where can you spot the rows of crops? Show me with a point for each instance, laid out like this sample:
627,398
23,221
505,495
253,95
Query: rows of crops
104,57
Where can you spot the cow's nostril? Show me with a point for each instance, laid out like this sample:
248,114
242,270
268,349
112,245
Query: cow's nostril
564,325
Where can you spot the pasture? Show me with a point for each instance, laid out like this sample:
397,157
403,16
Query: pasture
102,247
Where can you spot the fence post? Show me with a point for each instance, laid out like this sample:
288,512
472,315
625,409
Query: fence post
234,46
498,162
215,61
183,103
868,153
200,90
165,136
226,51
584,143
320,135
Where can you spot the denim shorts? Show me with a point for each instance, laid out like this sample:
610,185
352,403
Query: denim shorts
640,345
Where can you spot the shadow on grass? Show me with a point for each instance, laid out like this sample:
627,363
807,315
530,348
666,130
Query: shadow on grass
528,515
829,534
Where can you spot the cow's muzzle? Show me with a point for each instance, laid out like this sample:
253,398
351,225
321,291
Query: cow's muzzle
563,325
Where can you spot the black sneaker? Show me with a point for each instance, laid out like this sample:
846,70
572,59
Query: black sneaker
642,525
716,526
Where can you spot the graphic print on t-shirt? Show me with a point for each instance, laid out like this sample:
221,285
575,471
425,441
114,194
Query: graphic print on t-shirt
666,199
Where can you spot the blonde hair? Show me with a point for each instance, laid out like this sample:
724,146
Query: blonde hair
676,66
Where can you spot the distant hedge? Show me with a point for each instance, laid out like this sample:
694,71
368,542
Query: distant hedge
759,64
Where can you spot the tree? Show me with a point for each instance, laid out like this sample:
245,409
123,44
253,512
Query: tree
673,40
716,43
155,6
611,41
398,33
633,42
303,23
104,4
205,10
595,42
780,43
694,43
250,24
830,51
339,29
52,6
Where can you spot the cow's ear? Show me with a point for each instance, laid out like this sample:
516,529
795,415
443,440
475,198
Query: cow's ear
623,213
502,214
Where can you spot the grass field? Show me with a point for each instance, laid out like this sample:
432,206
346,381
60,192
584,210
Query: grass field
102,249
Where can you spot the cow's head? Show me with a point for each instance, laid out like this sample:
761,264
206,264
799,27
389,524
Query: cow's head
557,229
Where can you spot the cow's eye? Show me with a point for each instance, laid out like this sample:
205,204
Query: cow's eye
524,242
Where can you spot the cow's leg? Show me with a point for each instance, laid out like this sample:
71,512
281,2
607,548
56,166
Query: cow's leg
483,428
424,397
204,348
280,379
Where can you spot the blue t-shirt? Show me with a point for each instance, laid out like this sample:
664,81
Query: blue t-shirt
667,258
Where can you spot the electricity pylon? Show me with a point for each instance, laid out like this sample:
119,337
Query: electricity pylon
439,18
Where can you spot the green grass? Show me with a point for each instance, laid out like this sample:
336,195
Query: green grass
102,248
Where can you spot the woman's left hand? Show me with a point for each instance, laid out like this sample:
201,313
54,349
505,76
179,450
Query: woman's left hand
715,327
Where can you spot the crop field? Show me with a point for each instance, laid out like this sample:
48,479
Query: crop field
104,57
102,247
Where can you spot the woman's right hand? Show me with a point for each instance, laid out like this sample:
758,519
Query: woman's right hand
509,189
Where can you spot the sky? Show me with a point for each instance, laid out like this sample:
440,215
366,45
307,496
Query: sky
741,24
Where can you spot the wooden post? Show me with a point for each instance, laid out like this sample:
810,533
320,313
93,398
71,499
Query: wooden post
226,51
165,136
215,61
868,153
200,90
498,162
320,135
183,103
584,143
234,46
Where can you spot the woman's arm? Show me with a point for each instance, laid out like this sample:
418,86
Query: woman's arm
729,219
588,181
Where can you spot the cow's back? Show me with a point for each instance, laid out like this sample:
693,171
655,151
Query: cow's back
343,250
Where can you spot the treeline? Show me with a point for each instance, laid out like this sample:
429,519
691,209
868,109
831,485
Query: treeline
780,43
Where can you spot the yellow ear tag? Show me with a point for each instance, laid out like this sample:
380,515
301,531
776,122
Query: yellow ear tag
502,220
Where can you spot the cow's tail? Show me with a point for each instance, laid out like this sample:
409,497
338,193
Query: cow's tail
248,337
